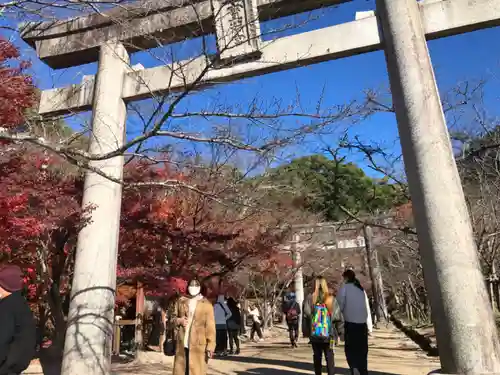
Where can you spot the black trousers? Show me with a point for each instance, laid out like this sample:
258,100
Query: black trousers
293,331
186,358
234,339
320,349
255,329
356,346
220,341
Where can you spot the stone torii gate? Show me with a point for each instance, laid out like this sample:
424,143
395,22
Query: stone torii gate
462,314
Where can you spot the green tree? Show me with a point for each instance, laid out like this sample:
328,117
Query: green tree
327,187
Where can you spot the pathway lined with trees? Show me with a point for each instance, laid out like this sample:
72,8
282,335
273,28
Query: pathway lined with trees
391,353
205,210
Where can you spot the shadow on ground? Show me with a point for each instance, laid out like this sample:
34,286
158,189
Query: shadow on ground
293,365
51,364
397,348
274,371
423,341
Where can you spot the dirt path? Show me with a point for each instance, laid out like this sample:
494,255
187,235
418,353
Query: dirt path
391,353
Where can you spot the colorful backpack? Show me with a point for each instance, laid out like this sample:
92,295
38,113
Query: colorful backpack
321,322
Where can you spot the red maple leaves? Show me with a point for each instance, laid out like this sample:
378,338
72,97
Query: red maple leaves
17,93
39,218
165,235
171,235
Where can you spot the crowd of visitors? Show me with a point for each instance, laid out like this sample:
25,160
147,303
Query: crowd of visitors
328,319
203,331
198,330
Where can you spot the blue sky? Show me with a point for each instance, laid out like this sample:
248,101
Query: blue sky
470,56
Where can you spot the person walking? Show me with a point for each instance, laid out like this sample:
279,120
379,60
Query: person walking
254,313
233,326
222,315
157,327
322,313
355,308
243,330
18,327
195,332
373,311
291,311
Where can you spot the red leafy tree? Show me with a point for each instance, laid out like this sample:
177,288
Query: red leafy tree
166,236
39,221
170,237
17,93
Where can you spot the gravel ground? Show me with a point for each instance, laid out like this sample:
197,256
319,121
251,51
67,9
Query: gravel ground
391,353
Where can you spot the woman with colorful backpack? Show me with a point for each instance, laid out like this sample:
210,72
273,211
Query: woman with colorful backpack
322,314
355,308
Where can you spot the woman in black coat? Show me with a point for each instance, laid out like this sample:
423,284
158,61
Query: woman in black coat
233,326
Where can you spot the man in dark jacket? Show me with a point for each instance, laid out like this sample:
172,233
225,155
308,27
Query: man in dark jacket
18,329
291,310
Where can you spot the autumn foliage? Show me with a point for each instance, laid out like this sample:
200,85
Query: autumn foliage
170,236
166,236
17,93
40,217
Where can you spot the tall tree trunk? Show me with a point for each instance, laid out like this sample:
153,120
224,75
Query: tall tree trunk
56,308
375,275
42,323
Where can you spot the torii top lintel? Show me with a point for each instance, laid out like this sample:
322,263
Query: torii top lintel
440,18
139,26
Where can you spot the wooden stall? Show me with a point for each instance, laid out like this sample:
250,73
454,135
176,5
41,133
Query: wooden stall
133,320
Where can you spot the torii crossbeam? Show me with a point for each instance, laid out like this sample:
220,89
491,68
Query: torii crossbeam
440,19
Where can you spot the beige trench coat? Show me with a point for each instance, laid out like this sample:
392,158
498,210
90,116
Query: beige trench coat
202,337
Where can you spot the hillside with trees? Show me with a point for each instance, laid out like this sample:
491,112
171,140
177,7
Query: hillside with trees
332,189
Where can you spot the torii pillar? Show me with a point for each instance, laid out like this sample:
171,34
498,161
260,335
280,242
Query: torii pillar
89,331
465,328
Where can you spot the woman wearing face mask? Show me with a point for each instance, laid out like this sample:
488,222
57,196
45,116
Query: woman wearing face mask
195,332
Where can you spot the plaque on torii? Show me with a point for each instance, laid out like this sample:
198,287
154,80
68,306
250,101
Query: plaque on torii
237,28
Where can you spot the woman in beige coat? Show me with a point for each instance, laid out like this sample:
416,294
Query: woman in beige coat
195,332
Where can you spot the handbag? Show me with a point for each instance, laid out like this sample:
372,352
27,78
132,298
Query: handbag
169,346
232,325
170,343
